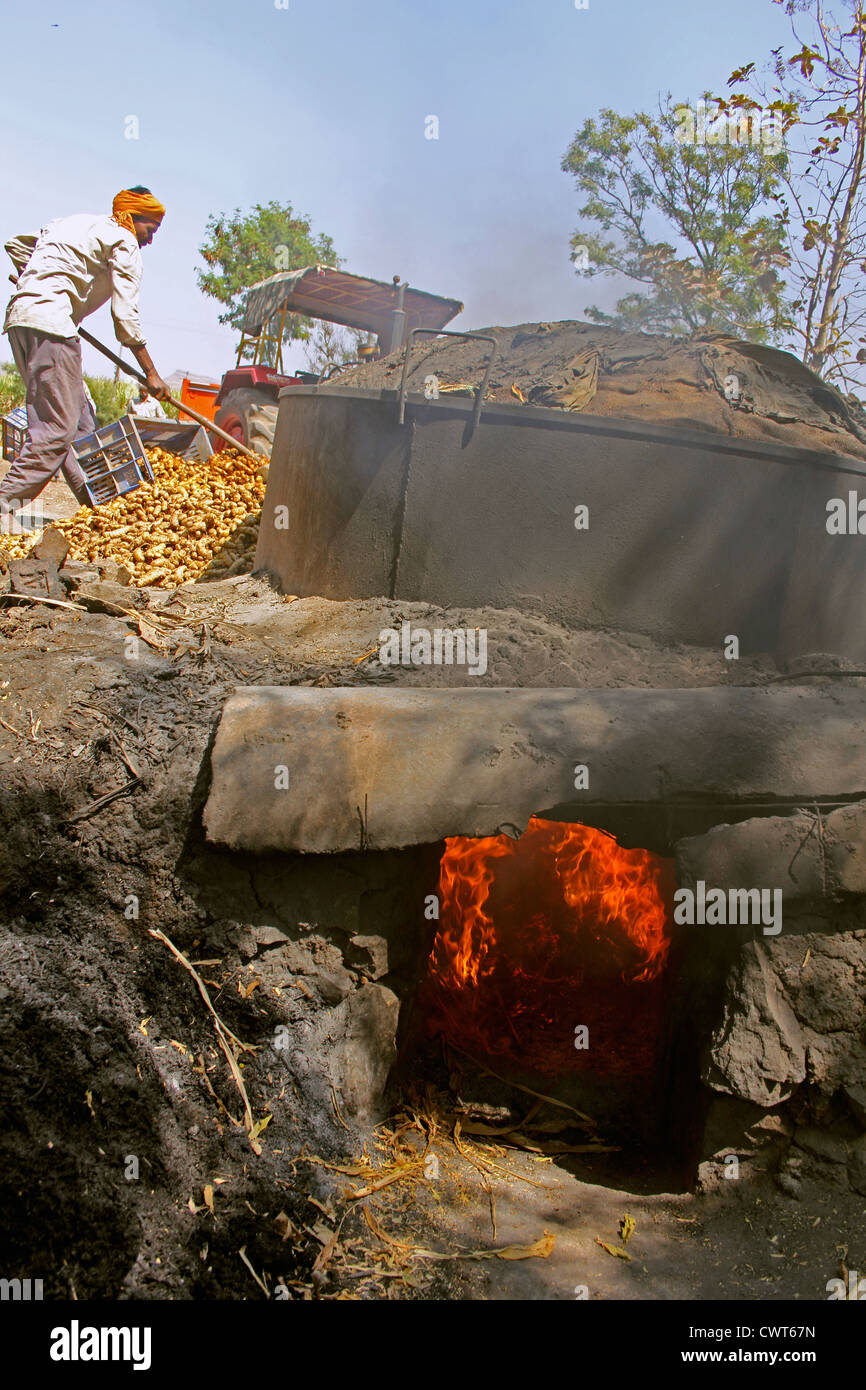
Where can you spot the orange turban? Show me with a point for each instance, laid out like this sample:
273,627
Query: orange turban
141,204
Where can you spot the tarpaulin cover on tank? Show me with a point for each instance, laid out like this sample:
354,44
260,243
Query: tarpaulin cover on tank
713,383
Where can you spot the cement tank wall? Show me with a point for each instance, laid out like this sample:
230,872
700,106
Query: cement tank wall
691,536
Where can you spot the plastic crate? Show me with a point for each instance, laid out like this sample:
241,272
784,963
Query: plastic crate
14,432
113,461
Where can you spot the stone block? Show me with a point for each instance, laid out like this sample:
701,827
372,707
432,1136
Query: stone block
36,578
356,1043
765,852
333,986
110,572
104,597
820,1143
846,847
269,936
856,1097
369,955
792,1011
857,1166
77,572
53,547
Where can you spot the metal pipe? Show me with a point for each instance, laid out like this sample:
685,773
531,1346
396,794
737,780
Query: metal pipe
447,333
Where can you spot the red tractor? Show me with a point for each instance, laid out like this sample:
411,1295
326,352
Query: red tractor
246,402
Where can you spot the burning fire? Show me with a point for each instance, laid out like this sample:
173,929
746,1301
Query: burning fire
538,935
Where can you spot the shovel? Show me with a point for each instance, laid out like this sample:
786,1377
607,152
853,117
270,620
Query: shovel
200,419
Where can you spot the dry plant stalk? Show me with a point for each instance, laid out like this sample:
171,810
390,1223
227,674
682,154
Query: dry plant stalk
224,1034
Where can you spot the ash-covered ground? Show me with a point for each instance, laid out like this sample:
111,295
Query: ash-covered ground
124,1170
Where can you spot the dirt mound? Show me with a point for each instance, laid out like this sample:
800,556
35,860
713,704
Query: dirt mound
715,383
116,1096
124,1169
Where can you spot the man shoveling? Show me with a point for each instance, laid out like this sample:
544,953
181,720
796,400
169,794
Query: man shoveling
76,265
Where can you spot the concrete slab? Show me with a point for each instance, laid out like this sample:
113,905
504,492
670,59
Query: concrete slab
322,770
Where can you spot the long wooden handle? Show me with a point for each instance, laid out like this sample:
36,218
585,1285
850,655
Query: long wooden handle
187,410
223,434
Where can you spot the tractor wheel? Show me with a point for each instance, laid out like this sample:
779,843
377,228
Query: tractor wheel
251,417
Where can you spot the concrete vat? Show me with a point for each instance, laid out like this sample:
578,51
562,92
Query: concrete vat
690,536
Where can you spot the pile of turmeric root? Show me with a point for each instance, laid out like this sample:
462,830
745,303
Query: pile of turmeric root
197,519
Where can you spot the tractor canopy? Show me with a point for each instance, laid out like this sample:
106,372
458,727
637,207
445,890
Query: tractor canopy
321,292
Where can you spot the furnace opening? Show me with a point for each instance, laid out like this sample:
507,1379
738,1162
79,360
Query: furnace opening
552,951
549,1004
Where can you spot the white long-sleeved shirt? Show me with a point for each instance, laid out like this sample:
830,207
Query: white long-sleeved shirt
149,409
77,265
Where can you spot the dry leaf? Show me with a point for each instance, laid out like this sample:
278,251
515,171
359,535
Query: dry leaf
326,1209
260,1126
406,1170
151,635
613,1249
323,1232
379,1230
576,385
516,391
540,1249
264,1288
283,1226
208,1198
626,1228
552,1126
352,1170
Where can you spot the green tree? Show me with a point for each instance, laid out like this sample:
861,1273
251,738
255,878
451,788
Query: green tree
242,248
12,391
689,206
331,346
110,397
819,93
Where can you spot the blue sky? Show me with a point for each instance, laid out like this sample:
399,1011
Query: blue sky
323,104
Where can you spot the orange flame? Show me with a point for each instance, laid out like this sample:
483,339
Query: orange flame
564,917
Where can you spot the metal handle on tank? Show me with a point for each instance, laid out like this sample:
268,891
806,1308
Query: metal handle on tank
446,333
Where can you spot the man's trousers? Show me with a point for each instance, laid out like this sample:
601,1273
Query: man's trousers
57,413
